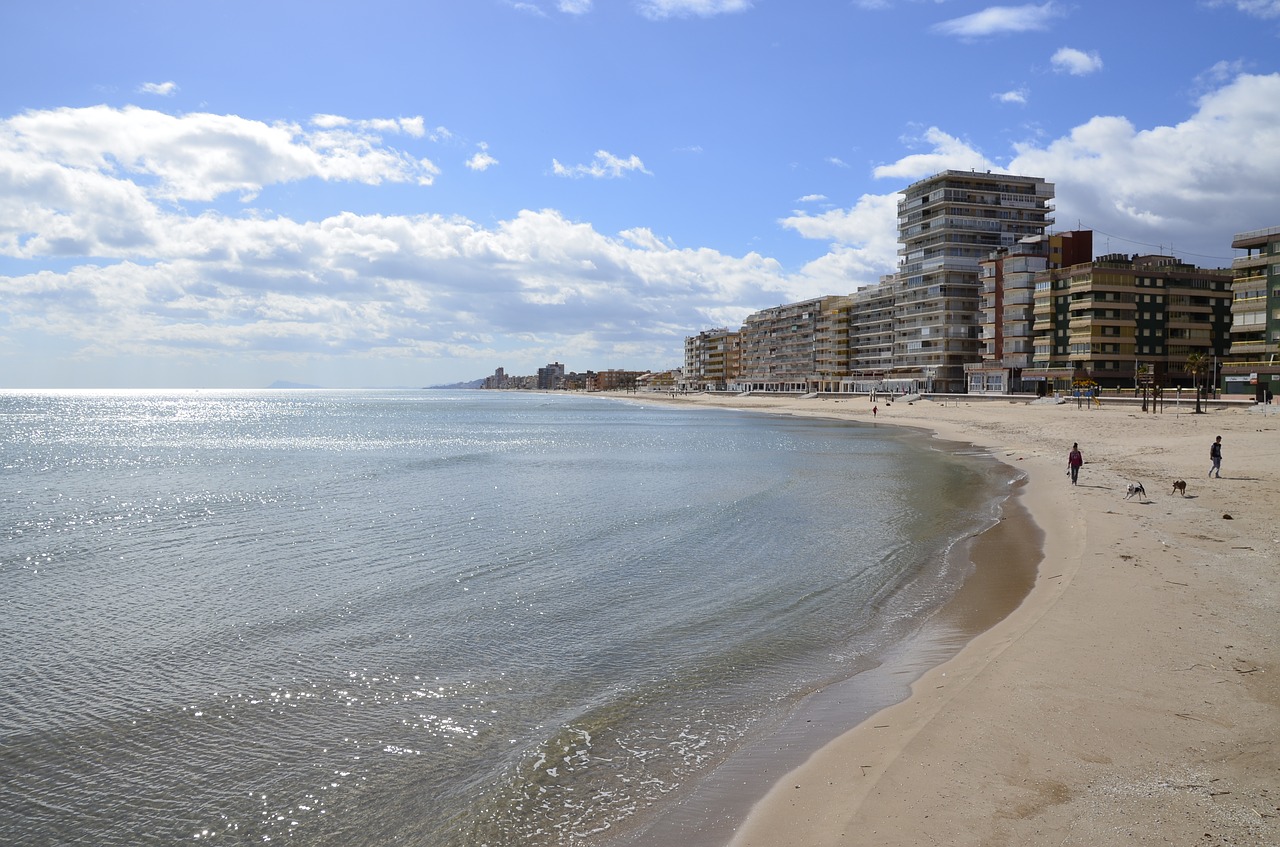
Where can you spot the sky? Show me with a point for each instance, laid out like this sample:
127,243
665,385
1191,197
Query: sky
403,194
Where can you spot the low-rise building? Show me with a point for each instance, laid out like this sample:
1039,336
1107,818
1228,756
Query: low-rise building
613,380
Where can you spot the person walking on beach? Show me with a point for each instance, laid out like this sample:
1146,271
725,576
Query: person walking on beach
1074,461
874,410
1215,456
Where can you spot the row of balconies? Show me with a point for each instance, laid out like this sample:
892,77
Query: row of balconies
1011,297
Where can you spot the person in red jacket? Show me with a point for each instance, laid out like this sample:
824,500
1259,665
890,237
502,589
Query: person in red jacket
1074,461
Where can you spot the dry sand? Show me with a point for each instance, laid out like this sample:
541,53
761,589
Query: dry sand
1133,698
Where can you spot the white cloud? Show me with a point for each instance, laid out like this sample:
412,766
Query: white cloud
481,161
88,194
1257,8
145,279
864,245
164,89
1216,76
575,7
1076,62
999,20
1019,96
375,286
948,153
1147,189
200,156
1164,184
409,126
664,9
530,8
605,165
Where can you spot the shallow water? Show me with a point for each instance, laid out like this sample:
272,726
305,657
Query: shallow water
442,618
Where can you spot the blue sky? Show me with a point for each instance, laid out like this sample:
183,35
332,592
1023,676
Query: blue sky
411,193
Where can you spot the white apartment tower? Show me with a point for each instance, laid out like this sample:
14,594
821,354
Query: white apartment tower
947,224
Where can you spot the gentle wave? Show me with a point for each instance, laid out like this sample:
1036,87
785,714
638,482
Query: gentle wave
447,618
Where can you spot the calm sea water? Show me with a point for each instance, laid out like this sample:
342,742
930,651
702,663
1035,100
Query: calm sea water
433,618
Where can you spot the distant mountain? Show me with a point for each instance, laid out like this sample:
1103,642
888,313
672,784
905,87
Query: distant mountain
475,383
280,383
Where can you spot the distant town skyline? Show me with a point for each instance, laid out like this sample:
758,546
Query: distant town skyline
234,195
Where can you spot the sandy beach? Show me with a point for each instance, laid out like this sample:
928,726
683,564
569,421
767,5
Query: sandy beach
1132,698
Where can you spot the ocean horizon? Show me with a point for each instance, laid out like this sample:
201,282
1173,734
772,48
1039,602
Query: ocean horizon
442,617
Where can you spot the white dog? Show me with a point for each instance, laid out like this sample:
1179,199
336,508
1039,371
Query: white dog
1136,490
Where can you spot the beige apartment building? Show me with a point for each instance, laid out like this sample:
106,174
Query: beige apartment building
798,347
871,334
712,360
947,224
1118,317
1253,364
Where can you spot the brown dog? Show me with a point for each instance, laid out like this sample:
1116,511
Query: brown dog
1179,487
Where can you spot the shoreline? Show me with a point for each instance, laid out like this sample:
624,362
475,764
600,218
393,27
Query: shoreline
1132,696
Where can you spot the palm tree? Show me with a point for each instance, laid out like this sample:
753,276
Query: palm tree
1196,366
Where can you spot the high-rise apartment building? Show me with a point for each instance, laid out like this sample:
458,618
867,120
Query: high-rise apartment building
712,359
871,333
1008,303
551,377
1252,366
947,224
796,347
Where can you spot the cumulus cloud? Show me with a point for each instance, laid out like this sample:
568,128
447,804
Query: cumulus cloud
141,277
1160,185
164,89
1001,20
864,245
199,156
664,9
948,153
605,165
481,160
366,285
1075,62
99,252
1147,189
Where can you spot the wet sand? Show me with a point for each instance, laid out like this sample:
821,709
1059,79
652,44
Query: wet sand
1132,697
1002,563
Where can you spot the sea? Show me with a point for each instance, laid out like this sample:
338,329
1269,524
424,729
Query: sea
447,618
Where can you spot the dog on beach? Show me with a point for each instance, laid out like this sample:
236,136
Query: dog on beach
1179,487
1136,490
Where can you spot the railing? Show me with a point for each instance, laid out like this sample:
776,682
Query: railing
1257,233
